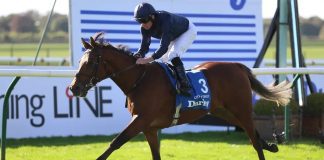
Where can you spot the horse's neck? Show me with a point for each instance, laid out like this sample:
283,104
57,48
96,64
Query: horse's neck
127,72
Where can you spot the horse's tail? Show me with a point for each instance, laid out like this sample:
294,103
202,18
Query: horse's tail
280,93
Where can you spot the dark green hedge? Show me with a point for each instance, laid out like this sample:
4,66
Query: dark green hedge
265,107
314,104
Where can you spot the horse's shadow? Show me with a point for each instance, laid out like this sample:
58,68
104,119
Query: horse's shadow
206,137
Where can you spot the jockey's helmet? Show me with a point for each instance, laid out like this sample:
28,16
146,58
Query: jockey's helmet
142,12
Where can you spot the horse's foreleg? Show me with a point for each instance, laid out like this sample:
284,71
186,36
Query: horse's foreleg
136,126
152,139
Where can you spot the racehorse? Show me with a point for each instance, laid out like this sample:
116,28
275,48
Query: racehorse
151,97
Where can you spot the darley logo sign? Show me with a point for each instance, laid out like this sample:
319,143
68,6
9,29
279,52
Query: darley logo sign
198,103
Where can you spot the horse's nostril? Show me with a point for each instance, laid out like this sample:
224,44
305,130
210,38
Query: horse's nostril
75,89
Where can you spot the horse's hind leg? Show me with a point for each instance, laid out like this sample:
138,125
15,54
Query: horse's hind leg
254,137
267,146
242,119
239,112
152,139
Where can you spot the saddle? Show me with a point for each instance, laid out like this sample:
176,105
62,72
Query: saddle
200,93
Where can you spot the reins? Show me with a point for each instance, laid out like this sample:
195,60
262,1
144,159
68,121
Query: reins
116,74
113,75
136,83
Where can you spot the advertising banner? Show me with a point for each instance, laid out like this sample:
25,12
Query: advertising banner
228,30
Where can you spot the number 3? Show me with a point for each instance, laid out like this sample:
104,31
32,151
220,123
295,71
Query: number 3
204,88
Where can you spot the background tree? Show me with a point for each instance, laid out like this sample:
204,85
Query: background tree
23,22
31,24
4,24
59,23
311,27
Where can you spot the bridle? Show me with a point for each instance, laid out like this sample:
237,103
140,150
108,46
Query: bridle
94,75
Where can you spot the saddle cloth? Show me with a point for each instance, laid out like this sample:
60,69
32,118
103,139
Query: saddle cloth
200,94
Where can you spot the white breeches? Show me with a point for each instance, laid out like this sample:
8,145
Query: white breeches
180,45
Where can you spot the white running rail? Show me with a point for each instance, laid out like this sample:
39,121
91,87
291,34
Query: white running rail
71,72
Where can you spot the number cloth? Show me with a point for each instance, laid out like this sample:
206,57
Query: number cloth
200,93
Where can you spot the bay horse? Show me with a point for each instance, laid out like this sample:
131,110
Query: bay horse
151,97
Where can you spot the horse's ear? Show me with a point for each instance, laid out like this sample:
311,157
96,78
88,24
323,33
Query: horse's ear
92,42
98,36
86,45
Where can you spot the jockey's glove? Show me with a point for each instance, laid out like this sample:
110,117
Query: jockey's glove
138,55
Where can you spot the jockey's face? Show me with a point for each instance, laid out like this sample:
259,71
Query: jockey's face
147,25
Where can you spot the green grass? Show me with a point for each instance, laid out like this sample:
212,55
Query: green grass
311,49
29,50
58,50
189,146
309,52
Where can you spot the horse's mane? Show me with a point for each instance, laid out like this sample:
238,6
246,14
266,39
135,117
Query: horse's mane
101,42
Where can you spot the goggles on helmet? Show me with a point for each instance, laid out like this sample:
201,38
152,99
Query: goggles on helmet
142,20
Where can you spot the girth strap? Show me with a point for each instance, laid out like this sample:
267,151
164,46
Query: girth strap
176,115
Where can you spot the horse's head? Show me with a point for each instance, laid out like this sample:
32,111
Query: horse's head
91,68
97,63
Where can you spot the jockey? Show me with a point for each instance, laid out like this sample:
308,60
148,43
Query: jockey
176,34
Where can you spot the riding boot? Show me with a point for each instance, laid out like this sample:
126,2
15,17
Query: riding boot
180,71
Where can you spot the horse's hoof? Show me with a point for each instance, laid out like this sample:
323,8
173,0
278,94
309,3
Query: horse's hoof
273,148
